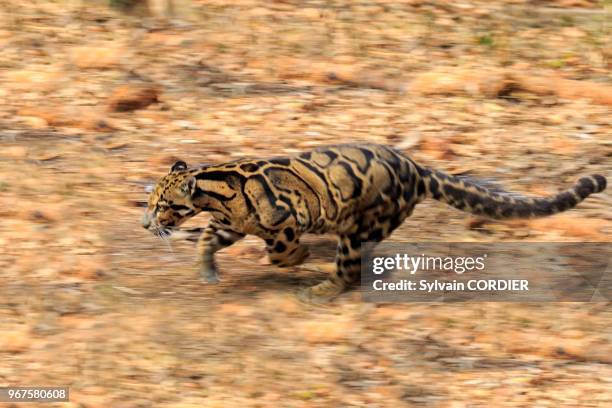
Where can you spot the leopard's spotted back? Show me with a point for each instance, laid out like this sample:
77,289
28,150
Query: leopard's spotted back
359,192
326,190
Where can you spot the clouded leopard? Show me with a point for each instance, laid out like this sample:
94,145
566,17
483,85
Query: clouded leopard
359,192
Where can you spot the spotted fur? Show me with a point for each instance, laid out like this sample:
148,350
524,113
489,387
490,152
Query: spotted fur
358,192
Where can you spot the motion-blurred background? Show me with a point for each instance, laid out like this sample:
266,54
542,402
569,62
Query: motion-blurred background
99,98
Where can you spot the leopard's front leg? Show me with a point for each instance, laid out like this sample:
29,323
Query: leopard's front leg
213,238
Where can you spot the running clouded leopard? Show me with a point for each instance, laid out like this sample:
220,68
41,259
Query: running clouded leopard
360,192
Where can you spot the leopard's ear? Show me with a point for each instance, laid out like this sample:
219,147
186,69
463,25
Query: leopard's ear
179,165
189,186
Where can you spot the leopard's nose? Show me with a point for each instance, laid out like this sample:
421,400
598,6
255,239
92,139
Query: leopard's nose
145,221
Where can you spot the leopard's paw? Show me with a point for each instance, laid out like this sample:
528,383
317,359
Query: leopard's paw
324,292
321,267
209,274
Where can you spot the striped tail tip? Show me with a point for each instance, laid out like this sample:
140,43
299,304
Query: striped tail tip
586,186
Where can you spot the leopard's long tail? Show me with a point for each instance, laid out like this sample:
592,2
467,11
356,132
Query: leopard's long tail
475,197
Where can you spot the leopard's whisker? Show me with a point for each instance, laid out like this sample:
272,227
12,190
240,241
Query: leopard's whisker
164,236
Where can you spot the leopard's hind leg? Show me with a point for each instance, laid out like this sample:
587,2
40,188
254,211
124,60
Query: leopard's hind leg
348,257
346,272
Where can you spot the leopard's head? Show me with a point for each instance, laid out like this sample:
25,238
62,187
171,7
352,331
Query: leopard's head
170,202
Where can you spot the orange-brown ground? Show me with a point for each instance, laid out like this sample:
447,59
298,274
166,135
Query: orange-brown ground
90,300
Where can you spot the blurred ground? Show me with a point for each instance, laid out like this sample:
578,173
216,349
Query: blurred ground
96,104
